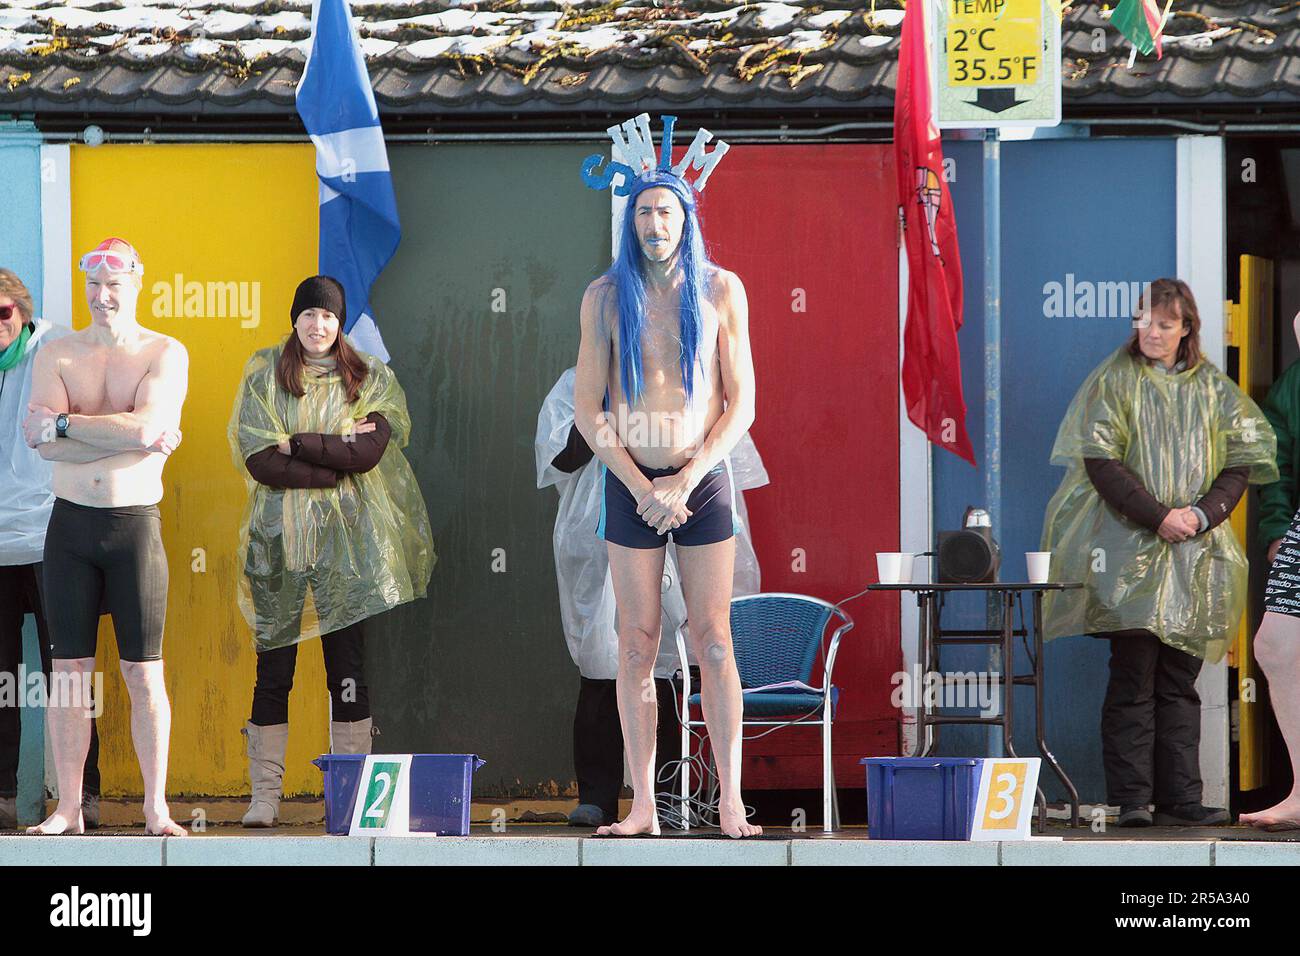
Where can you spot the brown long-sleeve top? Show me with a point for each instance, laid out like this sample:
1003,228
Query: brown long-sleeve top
1124,491
317,460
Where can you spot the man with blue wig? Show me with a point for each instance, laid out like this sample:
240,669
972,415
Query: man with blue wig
664,391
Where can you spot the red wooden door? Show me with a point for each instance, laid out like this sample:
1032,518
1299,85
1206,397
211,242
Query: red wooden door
812,232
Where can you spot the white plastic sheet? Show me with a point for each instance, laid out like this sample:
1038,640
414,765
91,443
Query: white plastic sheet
587,606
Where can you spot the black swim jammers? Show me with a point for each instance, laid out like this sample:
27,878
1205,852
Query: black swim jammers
712,506
1282,595
111,558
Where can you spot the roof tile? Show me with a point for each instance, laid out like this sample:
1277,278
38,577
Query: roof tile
437,56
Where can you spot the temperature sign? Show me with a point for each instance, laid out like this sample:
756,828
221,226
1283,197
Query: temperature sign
997,63
994,42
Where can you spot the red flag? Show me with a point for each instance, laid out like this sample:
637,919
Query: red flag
931,359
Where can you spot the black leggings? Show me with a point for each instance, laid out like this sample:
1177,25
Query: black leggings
20,593
111,558
345,676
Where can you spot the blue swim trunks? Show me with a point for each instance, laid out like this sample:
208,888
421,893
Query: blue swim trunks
712,506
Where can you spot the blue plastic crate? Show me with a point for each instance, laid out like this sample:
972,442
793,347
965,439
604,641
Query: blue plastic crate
440,791
921,798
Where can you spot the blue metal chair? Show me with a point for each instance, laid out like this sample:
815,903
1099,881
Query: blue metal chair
777,638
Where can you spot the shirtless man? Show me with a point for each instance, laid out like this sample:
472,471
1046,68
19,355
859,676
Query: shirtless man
106,409
672,419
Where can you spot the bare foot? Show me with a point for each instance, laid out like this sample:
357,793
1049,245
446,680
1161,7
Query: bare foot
1283,816
61,821
732,821
161,824
639,820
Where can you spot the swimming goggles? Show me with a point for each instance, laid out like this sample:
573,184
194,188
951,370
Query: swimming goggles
110,260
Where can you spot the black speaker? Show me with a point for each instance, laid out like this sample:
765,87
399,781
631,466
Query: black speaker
969,556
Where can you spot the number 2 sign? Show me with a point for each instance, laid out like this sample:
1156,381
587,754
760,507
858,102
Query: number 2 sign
383,806
1005,803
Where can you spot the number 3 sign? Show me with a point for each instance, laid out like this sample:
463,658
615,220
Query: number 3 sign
383,806
1005,803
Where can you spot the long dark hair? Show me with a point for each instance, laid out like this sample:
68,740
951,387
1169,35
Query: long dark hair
1174,296
351,366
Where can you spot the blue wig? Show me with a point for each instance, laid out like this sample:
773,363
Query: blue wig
628,274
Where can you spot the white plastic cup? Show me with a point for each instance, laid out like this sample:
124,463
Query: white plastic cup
895,567
1038,563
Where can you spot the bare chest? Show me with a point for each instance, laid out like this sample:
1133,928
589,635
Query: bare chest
661,341
100,382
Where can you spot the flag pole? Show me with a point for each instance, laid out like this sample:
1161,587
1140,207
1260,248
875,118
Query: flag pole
1164,17
993,388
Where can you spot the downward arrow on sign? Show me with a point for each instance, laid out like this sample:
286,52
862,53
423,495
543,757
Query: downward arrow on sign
995,101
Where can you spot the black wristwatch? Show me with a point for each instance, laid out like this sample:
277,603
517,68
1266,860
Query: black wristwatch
61,425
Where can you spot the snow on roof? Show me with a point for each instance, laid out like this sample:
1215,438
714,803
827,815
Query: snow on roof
429,55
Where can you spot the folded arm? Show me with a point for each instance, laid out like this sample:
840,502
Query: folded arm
273,468
71,450
49,398
353,453
157,408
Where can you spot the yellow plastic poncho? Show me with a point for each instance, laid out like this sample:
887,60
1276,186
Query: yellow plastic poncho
319,559
1175,432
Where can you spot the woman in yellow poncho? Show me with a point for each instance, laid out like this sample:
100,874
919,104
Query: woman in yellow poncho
1160,446
336,530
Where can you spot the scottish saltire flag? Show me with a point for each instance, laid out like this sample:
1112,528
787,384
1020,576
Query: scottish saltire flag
359,228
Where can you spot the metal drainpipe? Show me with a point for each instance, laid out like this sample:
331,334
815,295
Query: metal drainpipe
778,134
434,137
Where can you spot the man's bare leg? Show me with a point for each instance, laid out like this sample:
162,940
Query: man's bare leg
68,723
638,575
151,728
1277,648
706,572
